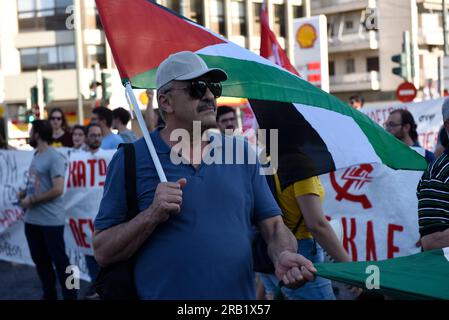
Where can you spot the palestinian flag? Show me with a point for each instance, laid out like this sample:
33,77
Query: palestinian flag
423,275
317,129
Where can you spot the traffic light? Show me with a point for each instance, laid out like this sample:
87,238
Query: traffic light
105,86
405,68
48,90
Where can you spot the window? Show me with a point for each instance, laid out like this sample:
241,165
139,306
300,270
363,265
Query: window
349,24
48,58
173,4
330,29
238,18
331,68
217,21
42,14
279,20
372,64
257,9
96,54
196,11
350,65
298,12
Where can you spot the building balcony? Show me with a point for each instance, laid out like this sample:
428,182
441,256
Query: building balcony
430,32
353,42
335,6
355,82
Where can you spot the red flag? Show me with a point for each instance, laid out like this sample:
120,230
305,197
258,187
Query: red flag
269,46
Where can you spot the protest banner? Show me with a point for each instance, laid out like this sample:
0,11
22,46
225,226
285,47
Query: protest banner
427,115
85,177
378,209
376,205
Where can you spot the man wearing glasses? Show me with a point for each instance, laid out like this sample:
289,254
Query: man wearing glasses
193,234
401,124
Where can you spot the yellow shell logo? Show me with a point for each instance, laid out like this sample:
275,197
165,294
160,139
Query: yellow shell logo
306,36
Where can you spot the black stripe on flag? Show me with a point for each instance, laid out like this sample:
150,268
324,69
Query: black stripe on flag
302,152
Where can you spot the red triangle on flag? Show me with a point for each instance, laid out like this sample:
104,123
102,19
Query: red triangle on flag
147,23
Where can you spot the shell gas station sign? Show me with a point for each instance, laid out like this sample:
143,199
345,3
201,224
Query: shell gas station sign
311,50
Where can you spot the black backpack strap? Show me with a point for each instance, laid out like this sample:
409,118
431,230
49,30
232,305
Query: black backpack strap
130,179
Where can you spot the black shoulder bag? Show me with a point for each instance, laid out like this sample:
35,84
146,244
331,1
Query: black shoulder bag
116,282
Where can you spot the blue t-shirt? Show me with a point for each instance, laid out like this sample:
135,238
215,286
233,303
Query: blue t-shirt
111,141
205,251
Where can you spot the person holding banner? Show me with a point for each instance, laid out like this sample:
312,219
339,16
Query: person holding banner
433,195
193,235
45,214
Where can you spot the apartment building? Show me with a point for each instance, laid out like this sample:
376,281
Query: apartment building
364,34
39,34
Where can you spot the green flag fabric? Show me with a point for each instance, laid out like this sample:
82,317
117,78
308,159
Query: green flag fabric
420,276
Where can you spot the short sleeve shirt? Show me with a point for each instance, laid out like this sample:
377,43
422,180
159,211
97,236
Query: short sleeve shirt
204,252
111,141
44,167
289,205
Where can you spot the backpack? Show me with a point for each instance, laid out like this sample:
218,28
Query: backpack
116,282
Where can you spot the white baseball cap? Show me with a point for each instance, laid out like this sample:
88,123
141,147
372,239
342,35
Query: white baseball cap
185,65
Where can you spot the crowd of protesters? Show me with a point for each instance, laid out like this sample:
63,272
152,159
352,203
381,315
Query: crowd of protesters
300,202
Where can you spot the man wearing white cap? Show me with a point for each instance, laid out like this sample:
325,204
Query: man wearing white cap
193,234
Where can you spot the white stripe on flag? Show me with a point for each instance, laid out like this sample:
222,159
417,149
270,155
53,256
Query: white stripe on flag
343,137
446,253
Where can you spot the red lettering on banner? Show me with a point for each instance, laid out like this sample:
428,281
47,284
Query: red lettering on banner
82,222
102,168
9,216
350,240
78,228
92,162
391,248
74,228
81,173
371,254
72,175
77,173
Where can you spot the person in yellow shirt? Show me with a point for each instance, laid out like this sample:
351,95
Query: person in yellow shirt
301,204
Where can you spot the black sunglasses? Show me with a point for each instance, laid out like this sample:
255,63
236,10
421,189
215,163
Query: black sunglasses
197,88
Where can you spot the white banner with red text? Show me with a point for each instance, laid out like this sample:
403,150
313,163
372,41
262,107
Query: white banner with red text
427,115
378,210
84,183
376,205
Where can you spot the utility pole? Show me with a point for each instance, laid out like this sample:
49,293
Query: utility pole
79,60
445,29
40,92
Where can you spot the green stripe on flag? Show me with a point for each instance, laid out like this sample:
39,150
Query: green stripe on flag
420,276
250,79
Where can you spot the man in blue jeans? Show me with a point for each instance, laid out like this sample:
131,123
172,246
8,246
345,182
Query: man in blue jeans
45,215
